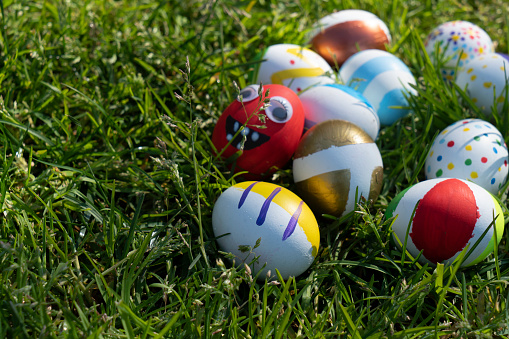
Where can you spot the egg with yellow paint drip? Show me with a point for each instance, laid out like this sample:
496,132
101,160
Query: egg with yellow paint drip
484,80
287,228
293,66
470,149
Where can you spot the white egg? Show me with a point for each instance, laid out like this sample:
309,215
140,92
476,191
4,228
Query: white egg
293,66
470,149
450,214
383,79
328,102
458,43
287,229
485,80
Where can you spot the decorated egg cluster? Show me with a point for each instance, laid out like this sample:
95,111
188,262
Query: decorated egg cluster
298,107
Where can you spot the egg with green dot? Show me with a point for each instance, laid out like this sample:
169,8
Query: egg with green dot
470,149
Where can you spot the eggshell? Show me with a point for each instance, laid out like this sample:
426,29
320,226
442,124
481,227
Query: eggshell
335,162
289,233
470,149
484,80
383,79
339,35
272,134
293,66
327,102
450,215
457,39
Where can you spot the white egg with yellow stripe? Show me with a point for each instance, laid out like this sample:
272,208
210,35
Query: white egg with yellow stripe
254,210
335,164
293,66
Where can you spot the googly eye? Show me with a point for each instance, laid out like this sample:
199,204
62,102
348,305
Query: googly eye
249,93
280,110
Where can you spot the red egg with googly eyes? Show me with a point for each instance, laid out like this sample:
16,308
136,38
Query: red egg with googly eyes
267,133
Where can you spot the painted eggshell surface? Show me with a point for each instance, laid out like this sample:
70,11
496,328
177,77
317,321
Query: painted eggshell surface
470,149
289,233
293,66
271,135
484,80
383,79
339,35
335,161
451,214
336,101
457,40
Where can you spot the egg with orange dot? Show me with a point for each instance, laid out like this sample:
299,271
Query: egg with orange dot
484,80
470,149
293,66
255,219
457,43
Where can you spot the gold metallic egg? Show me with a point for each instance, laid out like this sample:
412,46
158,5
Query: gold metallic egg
341,34
335,163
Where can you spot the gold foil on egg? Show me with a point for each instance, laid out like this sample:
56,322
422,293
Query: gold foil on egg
327,192
376,183
331,133
338,42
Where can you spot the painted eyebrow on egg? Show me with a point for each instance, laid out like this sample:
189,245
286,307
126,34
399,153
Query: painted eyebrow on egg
290,228
245,194
265,206
293,222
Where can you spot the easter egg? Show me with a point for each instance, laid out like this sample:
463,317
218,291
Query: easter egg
457,43
470,149
335,164
267,137
293,66
327,102
339,35
287,229
450,214
484,80
383,79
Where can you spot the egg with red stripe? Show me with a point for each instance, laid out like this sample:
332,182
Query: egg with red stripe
450,214
470,149
265,124
293,66
289,232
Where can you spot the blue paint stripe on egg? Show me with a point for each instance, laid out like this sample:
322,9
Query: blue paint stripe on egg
388,115
370,69
353,93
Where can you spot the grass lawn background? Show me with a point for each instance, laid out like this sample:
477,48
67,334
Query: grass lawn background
107,180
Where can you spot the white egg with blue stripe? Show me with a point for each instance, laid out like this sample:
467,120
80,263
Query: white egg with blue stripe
383,79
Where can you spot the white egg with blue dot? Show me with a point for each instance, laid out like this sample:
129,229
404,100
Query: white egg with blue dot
457,43
470,149
383,79
334,101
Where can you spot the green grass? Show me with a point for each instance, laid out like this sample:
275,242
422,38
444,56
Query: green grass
107,179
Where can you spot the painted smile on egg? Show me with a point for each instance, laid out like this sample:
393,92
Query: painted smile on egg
253,138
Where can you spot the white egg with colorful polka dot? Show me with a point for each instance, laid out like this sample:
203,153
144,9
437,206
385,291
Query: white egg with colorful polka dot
457,43
470,149
484,80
